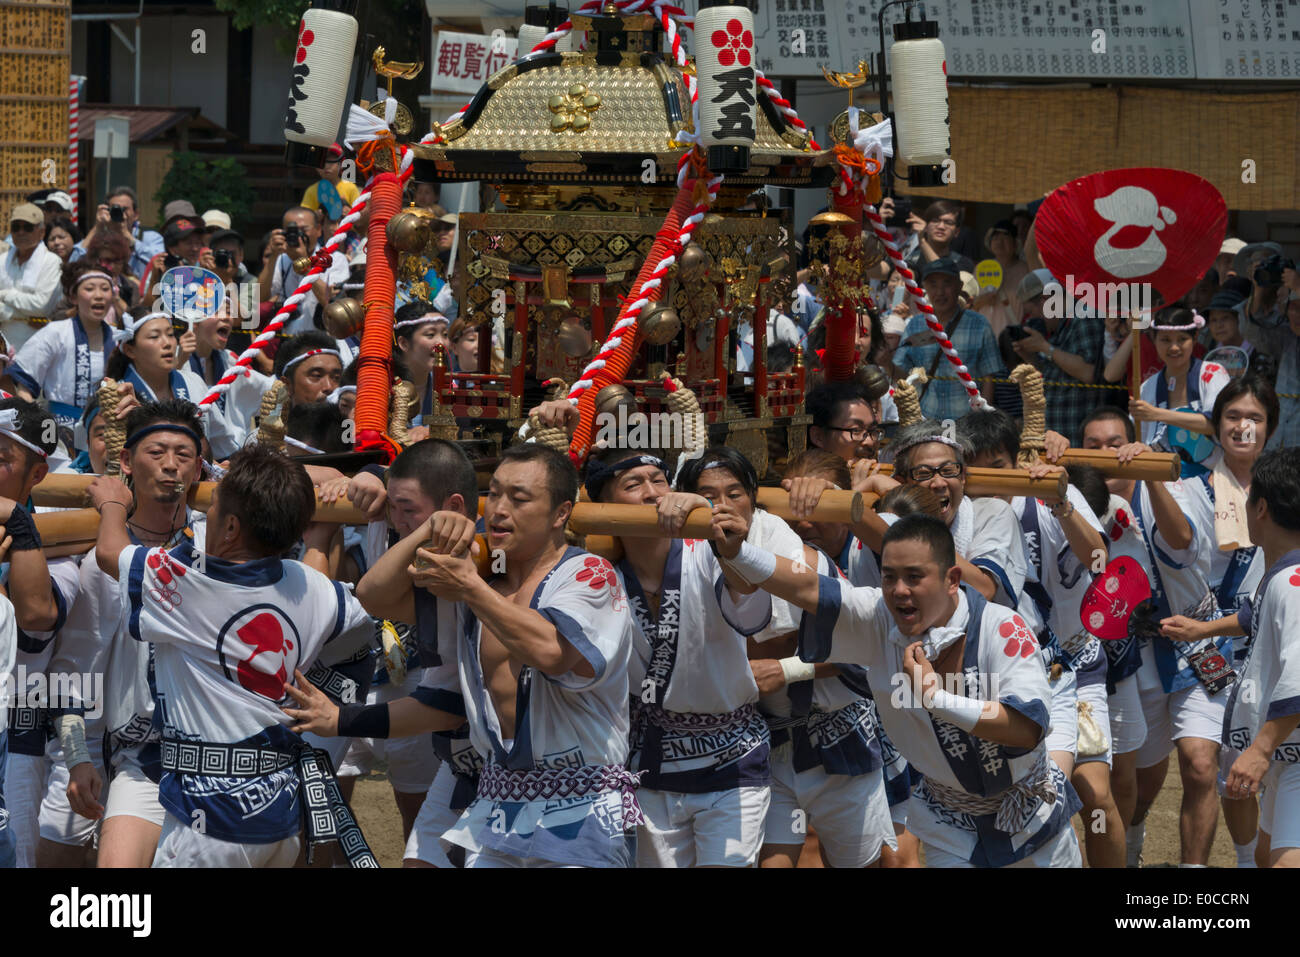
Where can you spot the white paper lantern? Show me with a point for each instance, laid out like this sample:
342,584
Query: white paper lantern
919,72
724,63
322,66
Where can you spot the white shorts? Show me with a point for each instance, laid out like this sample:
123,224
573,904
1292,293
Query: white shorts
411,761
1063,851
1279,805
490,858
182,846
1095,695
1190,713
59,823
714,829
1128,726
849,812
25,780
131,793
1064,733
435,817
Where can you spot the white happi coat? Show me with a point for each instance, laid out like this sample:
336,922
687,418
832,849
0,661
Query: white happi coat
853,625
228,424
226,637
693,656
562,722
1269,685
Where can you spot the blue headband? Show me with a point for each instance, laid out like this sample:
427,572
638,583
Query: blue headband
598,473
166,427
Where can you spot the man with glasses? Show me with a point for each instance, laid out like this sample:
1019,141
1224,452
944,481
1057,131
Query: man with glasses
845,422
29,277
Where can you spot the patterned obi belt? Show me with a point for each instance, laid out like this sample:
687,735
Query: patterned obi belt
1014,807
496,783
326,815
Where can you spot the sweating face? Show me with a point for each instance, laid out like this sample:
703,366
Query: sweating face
917,592
928,460
1108,433
643,485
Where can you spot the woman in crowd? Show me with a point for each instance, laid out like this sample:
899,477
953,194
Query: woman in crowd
61,237
146,358
65,360
420,332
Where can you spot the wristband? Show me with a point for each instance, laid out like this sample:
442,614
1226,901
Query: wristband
72,736
796,669
965,713
755,565
22,530
363,721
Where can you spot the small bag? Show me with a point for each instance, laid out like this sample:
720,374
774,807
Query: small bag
1092,740
1212,668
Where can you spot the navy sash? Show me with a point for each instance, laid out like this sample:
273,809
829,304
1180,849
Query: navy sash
175,380
662,631
83,386
981,767
1029,524
218,368
1193,385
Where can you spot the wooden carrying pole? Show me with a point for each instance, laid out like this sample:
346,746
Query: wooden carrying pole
1009,482
1145,467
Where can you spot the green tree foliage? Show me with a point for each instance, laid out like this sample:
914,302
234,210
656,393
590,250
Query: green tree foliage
209,182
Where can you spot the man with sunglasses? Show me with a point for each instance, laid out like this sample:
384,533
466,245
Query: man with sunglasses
29,277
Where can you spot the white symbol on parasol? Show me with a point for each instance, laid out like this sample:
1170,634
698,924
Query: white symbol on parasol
1132,206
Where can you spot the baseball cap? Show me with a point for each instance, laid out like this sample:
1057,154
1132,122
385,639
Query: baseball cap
945,265
221,234
1035,284
60,199
450,218
1231,247
969,286
216,219
178,208
1001,226
27,213
178,229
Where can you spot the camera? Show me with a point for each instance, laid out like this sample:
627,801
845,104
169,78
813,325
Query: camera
170,261
1016,333
224,258
293,235
117,214
902,210
1268,274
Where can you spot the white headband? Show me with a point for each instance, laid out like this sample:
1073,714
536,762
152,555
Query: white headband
429,317
131,326
9,426
307,355
338,393
94,274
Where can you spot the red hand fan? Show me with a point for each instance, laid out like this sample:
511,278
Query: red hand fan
1110,600
1142,225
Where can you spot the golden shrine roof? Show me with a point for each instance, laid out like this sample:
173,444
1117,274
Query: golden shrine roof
565,117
